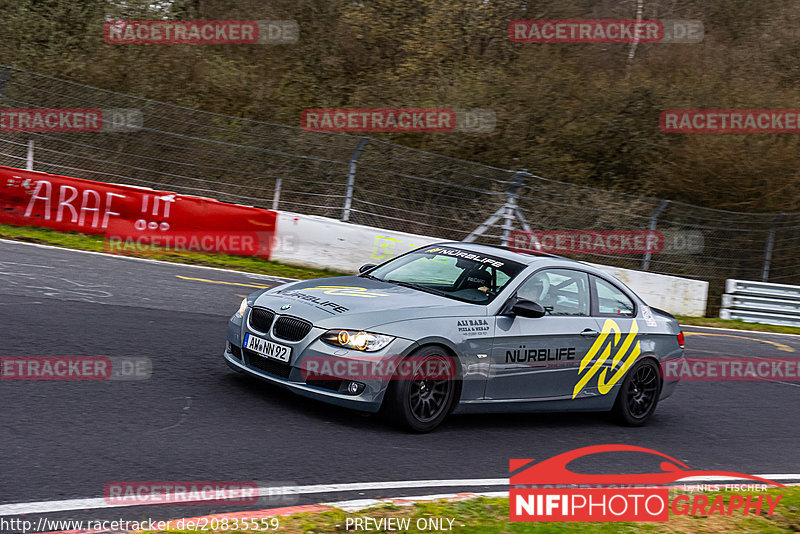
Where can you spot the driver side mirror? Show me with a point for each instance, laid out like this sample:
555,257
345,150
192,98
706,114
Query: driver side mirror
528,308
366,267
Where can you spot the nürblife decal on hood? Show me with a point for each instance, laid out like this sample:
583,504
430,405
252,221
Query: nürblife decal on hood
329,305
348,291
324,304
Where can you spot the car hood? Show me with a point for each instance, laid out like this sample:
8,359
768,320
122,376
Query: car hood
360,303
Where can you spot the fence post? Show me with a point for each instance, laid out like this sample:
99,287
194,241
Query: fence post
276,198
29,159
3,79
653,222
770,245
351,178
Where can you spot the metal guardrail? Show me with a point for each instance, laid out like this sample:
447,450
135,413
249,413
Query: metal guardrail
761,302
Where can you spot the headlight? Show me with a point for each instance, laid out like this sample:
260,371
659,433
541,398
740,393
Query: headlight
242,308
353,339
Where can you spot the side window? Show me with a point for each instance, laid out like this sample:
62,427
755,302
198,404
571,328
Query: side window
612,301
559,291
502,278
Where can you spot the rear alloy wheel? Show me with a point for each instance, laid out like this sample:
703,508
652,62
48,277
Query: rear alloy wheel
638,396
419,403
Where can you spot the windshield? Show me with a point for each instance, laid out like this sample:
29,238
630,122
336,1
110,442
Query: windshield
451,272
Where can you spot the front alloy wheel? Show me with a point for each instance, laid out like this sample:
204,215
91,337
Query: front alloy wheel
417,402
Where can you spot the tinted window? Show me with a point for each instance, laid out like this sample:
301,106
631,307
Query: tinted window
559,291
611,300
451,272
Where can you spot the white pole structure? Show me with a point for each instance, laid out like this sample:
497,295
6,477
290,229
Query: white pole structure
29,160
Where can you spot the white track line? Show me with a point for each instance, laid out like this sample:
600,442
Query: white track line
94,503
174,264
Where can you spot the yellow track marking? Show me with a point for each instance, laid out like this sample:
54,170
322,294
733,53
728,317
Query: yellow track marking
779,346
221,282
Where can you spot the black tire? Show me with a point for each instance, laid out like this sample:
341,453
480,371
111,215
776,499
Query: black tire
420,405
638,396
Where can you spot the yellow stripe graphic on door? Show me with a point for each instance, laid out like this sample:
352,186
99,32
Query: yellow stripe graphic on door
603,341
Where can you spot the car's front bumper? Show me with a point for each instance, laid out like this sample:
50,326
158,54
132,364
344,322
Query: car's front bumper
291,375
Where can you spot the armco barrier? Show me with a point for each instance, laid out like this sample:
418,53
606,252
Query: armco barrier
761,302
134,217
324,243
327,243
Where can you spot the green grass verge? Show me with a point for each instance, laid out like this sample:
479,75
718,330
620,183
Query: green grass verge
490,516
736,325
94,243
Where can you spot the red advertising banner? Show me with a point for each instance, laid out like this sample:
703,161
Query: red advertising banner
133,218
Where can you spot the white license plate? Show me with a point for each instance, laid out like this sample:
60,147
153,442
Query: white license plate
267,348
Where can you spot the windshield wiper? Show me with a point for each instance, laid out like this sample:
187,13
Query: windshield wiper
418,287
369,276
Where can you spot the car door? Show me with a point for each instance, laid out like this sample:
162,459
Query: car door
617,346
537,358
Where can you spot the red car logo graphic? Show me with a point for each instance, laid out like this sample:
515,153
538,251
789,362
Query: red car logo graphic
554,470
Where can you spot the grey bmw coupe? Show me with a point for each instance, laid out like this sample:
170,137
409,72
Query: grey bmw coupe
461,328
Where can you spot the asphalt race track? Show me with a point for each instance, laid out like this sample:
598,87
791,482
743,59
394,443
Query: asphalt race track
195,419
